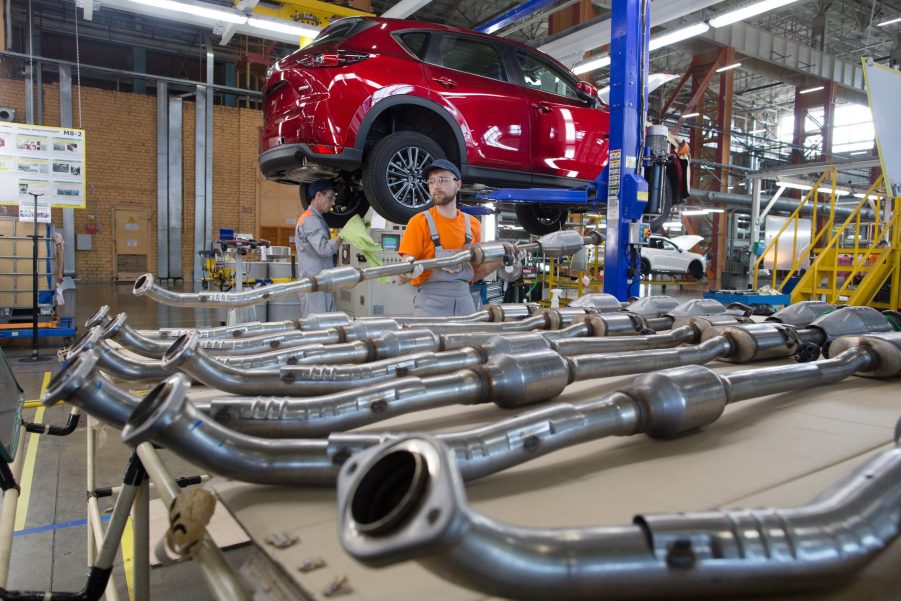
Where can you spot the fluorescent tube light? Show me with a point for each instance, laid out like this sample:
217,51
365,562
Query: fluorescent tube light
674,225
809,90
690,115
591,65
689,212
671,37
269,25
728,67
747,11
890,21
757,131
199,9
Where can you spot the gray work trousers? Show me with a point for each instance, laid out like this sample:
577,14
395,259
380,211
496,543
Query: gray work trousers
443,299
316,302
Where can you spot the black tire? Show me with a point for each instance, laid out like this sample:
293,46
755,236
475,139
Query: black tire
539,219
696,270
666,205
349,201
645,268
392,175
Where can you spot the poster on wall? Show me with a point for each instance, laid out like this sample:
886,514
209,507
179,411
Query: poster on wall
35,159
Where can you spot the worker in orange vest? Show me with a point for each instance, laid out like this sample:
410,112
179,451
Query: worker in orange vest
316,249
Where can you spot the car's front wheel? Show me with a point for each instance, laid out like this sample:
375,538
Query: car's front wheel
349,201
392,175
541,219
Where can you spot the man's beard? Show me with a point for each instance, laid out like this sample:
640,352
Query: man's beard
443,199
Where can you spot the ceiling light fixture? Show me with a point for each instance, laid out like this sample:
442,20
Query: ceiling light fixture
690,115
197,9
747,11
690,212
290,29
591,65
890,21
809,90
679,35
754,132
728,67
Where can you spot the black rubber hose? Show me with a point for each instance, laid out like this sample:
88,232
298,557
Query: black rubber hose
70,426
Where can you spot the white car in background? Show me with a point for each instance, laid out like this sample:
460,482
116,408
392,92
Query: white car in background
671,255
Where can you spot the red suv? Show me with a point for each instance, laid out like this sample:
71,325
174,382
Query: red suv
372,101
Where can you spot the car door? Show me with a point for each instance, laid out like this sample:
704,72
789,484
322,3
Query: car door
569,138
467,76
671,258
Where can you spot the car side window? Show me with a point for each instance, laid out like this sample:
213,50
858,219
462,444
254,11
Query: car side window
667,245
417,42
471,56
539,75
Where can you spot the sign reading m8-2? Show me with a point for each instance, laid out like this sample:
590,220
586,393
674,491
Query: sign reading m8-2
48,161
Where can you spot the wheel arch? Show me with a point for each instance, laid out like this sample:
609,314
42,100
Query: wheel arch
414,114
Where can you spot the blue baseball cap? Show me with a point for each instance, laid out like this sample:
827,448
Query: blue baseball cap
443,164
321,185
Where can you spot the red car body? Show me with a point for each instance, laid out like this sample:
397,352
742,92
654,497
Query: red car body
372,101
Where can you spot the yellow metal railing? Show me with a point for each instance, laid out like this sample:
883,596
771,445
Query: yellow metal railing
795,221
863,259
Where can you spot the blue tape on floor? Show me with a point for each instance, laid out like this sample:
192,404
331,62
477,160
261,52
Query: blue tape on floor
60,526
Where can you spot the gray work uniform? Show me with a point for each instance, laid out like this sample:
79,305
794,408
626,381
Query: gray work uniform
315,252
445,293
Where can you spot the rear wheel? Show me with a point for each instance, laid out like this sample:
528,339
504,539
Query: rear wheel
349,201
392,174
540,219
696,270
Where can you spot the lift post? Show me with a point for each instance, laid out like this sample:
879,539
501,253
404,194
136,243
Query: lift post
625,192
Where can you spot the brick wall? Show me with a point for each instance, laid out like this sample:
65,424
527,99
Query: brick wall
120,129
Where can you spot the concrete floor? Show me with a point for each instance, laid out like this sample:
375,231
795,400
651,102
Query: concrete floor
49,553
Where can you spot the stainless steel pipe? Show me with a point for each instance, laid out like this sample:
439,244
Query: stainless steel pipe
79,384
340,278
661,404
115,363
358,407
405,500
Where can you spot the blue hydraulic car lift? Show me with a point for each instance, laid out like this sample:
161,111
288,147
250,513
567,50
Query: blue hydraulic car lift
619,185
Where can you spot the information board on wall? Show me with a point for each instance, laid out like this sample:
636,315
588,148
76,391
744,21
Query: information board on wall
49,161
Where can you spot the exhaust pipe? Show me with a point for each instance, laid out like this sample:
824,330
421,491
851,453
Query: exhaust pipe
405,500
661,404
340,278
130,338
114,362
79,384
331,321
275,417
165,414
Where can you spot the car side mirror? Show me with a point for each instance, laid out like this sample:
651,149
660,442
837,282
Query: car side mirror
587,92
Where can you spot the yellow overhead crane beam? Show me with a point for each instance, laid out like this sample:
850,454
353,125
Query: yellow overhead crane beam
309,12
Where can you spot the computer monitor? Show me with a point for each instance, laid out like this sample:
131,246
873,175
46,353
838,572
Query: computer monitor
390,242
